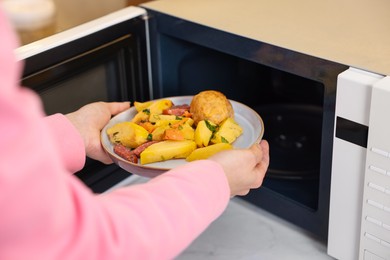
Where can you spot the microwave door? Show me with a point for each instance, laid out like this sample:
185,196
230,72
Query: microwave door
102,60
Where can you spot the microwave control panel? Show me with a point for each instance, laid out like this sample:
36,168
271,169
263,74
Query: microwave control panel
354,89
375,222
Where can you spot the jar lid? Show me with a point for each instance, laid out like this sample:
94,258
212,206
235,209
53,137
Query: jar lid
29,14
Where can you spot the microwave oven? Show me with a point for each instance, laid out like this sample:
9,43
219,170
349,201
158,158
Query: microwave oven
139,54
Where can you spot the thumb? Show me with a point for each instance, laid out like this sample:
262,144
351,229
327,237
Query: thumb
117,107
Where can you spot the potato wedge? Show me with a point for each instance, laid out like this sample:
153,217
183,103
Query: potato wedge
190,121
158,117
142,115
228,132
158,133
155,108
188,131
128,134
206,152
139,106
164,122
203,132
167,150
159,106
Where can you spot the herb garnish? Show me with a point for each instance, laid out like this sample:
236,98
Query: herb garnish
146,111
223,139
211,127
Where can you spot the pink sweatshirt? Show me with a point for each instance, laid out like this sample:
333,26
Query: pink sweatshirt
46,213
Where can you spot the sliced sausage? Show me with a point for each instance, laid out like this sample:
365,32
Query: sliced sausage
137,151
125,153
178,110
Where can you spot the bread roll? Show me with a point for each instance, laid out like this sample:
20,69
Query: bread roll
211,105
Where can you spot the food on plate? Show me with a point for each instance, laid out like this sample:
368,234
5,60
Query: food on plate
211,105
161,130
180,110
139,106
166,150
128,134
203,132
154,108
173,129
206,152
227,132
125,153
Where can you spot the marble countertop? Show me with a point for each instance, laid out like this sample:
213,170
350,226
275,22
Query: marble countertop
247,232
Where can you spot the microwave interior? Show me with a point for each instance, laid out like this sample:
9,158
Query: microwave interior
292,92
291,106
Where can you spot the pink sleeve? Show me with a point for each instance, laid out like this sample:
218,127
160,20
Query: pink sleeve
48,214
169,212
73,149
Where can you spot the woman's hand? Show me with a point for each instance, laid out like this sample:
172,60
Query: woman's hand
90,120
244,168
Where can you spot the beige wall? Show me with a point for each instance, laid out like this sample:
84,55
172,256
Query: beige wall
70,13
75,12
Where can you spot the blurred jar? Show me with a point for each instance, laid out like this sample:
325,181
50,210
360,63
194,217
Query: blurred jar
32,19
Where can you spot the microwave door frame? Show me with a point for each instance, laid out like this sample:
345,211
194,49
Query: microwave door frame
65,46
74,46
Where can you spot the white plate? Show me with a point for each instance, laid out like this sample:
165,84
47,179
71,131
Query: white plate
247,118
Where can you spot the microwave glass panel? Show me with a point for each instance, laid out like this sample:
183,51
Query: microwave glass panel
107,61
82,89
290,105
109,72
102,74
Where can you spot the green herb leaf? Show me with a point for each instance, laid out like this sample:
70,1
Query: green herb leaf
223,139
150,137
146,111
211,127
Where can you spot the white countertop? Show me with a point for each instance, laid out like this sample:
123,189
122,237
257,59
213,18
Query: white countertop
247,232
